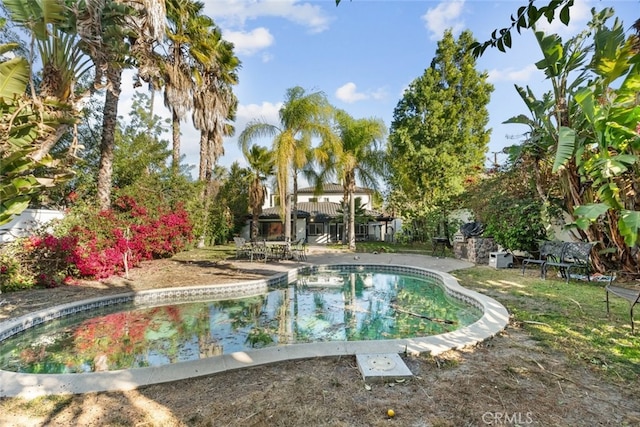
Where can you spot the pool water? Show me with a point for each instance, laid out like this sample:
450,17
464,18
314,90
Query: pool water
327,306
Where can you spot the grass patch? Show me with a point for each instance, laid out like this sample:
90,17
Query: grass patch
44,406
209,253
384,247
569,317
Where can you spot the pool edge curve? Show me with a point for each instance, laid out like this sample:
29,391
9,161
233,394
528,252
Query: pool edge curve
13,384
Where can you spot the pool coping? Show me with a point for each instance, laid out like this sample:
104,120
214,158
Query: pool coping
494,319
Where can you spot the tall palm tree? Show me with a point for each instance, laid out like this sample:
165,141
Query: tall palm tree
261,166
191,48
116,34
214,106
214,101
358,156
302,118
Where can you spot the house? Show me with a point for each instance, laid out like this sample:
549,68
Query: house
319,217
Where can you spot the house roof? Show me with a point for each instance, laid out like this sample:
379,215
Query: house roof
331,188
319,211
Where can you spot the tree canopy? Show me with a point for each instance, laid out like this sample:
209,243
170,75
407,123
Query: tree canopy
438,135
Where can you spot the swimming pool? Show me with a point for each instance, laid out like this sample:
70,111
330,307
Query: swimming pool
481,317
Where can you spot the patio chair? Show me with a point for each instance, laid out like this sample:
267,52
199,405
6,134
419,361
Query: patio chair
629,293
299,250
259,251
575,256
548,251
242,249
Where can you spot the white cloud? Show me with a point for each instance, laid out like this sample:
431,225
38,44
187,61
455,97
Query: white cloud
445,15
512,75
266,111
248,43
235,13
349,93
579,13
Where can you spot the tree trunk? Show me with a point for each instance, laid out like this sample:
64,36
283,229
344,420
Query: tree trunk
254,226
204,176
345,215
50,141
107,145
204,156
294,209
352,222
287,218
175,161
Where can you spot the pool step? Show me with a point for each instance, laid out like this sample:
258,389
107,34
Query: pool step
379,367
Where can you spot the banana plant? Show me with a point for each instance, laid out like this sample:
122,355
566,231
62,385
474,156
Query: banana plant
612,117
22,123
593,132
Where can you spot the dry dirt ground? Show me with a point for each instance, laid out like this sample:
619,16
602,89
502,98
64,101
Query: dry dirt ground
508,380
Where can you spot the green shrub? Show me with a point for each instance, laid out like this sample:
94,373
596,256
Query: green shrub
14,272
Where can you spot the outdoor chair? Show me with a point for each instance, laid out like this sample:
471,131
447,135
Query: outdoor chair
242,249
548,251
630,293
575,256
259,251
299,250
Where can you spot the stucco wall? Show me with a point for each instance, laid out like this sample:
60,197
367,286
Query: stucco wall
24,224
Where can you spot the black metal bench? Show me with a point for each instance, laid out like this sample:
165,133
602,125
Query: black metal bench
574,256
548,251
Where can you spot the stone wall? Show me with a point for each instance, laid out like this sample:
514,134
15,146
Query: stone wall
475,249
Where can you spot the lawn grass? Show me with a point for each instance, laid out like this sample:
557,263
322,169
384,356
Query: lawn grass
413,248
570,317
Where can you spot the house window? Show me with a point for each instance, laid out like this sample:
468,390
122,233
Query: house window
315,229
326,199
270,230
313,200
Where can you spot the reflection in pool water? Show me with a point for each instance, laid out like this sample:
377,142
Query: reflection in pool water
326,306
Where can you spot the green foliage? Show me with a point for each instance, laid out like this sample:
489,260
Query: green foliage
438,136
231,205
513,214
22,178
26,124
525,17
14,272
140,149
594,137
360,213
517,224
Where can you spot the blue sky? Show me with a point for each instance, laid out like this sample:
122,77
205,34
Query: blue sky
363,54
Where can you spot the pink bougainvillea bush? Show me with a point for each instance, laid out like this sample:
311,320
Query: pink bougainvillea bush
96,245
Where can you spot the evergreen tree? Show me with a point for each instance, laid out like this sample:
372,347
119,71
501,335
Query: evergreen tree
438,138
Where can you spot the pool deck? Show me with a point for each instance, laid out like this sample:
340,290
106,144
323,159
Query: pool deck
494,320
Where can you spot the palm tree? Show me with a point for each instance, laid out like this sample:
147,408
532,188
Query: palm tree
358,156
214,101
214,105
302,117
115,34
260,160
193,40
